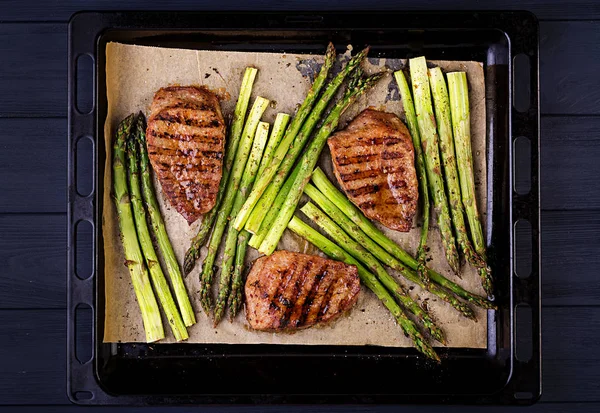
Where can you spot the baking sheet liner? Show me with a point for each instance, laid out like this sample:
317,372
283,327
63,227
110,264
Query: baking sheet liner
135,73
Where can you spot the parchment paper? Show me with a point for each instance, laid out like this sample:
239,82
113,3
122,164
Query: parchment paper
134,73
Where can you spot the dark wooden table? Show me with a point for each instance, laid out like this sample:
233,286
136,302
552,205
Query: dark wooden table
33,166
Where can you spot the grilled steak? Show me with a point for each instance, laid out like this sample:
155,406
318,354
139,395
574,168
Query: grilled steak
373,160
186,140
288,290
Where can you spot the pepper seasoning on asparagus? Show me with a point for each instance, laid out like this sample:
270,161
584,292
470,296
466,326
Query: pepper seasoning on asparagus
360,253
442,114
309,159
156,274
382,255
239,163
369,280
351,211
288,141
413,127
461,123
249,174
158,226
430,145
235,133
133,255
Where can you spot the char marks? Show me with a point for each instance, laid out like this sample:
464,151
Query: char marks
288,290
186,142
373,160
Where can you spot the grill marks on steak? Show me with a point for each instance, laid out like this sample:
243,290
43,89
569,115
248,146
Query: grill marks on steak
288,290
186,142
373,160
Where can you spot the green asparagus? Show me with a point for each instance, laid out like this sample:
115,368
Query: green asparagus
279,127
241,156
413,127
158,226
382,255
369,280
361,254
235,133
309,159
133,255
459,108
273,212
161,287
430,144
442,115
248,176
266,200
351,211
289,141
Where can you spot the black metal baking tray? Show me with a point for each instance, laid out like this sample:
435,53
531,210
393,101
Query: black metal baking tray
508,371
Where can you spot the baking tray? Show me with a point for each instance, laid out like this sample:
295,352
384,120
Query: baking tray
508,371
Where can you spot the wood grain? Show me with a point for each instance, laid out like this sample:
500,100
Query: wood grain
568,67
33,261
35,173
62,10
570,164
34,69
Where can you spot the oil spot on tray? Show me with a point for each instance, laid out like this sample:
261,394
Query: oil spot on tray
309,68
340,62
394,64
393,93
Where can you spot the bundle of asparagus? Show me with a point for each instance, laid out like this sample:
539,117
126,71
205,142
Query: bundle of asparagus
450,137
134,203
359,238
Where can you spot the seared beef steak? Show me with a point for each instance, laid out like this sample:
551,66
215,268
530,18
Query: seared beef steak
373,160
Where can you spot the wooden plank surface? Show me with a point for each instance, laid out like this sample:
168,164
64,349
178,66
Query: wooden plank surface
33,355
34,69
35,173
563,46
33,261
57,10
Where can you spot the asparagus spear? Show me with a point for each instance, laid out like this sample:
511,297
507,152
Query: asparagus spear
459,107
260,140
156,274
361,254
413,127
294,152
369,280
279,127
133,254
235,133
430,144
158,226
382,255
241,156
289,141
309,159
273,212
442,114
235,297
351,211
